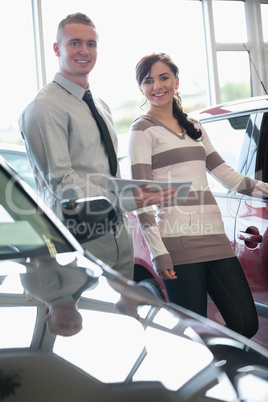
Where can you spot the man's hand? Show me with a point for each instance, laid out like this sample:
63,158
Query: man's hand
144,197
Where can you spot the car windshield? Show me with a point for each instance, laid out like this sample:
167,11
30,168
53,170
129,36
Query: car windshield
25,230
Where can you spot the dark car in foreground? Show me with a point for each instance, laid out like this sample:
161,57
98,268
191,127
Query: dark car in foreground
132,347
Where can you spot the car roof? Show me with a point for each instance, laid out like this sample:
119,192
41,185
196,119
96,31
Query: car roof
239,106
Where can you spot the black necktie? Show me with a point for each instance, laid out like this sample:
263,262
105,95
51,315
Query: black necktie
105,135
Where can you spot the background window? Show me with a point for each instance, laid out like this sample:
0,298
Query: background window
127,32
18,83
264,17
234,75
229,21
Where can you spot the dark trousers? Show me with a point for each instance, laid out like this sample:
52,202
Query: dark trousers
225,282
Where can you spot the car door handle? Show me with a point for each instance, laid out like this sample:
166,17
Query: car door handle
249,237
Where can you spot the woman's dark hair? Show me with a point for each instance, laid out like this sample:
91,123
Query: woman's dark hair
143,70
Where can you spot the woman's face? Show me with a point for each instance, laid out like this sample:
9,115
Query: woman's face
159,85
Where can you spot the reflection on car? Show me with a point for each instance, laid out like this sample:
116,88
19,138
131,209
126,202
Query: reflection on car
133,346
60,289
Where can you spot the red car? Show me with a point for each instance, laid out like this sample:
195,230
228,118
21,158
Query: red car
239,132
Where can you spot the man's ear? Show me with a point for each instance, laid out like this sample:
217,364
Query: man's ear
56,49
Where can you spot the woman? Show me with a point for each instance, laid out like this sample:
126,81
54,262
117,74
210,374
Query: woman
188,245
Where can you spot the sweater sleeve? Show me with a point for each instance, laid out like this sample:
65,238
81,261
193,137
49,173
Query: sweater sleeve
227,176
140,153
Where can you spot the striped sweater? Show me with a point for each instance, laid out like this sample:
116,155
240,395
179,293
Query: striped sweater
192,231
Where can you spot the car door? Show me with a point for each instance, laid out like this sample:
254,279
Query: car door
251,231
230,136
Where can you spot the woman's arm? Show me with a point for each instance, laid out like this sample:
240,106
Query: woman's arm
140,153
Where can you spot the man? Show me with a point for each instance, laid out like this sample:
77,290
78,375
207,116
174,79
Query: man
64,145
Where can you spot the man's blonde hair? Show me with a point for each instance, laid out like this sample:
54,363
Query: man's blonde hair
76,18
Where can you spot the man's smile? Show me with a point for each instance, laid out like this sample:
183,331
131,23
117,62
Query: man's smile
82,61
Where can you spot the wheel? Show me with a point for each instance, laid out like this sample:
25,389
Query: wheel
151,285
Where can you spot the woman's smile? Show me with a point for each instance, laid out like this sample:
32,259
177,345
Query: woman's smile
159,95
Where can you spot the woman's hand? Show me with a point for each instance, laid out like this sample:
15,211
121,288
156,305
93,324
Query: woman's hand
144,197
168,274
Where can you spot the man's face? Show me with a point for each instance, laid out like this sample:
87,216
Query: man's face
77,51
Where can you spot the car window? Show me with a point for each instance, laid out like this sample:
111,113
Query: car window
18,160
25,231
229,139
259,148
20,163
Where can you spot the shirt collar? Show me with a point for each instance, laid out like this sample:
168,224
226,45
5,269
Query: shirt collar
69,86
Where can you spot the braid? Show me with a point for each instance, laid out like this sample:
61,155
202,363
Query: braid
183,120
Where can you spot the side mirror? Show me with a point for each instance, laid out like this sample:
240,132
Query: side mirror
89,218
